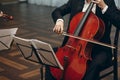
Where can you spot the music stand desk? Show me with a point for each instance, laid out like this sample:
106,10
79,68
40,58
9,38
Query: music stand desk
37,51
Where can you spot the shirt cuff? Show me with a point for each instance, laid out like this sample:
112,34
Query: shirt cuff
104,9
60,20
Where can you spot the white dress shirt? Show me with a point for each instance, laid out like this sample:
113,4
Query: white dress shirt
93,9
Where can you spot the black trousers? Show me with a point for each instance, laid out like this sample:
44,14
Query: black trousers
101,57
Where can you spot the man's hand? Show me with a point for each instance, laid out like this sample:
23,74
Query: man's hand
100,3
58,28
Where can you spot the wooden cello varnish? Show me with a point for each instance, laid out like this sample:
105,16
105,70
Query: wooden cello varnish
75,54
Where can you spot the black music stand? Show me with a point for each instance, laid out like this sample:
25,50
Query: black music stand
37,51
6,38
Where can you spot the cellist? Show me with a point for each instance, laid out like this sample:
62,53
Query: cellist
104,9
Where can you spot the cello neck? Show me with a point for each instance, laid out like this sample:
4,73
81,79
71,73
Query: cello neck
83,20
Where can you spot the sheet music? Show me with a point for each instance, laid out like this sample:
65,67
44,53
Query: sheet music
6,37
43,51
46,53
25,48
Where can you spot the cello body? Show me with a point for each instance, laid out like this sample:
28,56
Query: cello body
75,54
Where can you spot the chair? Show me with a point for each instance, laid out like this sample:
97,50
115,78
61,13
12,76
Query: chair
114,63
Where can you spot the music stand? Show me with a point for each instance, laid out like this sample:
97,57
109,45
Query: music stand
6,38
37,51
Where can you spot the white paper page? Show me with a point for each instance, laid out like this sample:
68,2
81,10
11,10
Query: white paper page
46,53
6,37
5,32
25,48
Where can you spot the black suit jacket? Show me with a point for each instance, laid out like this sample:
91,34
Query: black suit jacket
72,7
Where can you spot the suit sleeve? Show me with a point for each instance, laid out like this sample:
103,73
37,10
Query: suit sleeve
113,14
61,11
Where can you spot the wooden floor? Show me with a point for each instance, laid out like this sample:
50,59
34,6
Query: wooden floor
32,21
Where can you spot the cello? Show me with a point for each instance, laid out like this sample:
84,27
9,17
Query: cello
75,54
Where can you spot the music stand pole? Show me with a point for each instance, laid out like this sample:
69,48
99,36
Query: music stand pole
42,65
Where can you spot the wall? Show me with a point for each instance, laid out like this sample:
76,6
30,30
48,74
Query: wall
57,2
48,2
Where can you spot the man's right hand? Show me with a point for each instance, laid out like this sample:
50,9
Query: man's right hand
58,28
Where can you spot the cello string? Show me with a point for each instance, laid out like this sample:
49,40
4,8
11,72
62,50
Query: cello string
92,41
